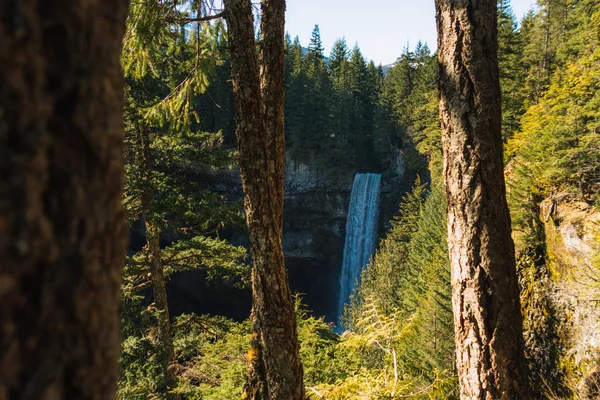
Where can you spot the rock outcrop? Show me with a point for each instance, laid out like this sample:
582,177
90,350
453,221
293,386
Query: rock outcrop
572,229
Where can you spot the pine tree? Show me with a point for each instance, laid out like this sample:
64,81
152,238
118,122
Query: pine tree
339,150
296,103
512,77
163,147
318,99
402,77
338,58
314,55
422,119
360,133
409,283
542,33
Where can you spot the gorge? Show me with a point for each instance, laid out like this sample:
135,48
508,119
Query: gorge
318,206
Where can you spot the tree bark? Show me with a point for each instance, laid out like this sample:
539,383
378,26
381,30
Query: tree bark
487,314
165,333
62,228
157,276
275,370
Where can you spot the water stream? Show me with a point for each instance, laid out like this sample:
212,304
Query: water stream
361,233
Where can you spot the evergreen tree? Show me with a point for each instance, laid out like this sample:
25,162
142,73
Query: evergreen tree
338,58
318,99
401,78
510,54
410,92
296,103
360,126
340,150
422,102
543,33
386,131
409,281
216,106
163,146
314,55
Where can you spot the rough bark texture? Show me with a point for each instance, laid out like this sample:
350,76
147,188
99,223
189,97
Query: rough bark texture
62,229
487,315
275,370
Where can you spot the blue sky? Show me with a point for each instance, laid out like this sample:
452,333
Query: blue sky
382,28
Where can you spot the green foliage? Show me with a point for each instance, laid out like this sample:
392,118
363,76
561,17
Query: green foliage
217,257
210,353
377,369
403,304
555,149
512,75
559,142
164,151
163,42
168,60
141,374
330,108
410,94
212,356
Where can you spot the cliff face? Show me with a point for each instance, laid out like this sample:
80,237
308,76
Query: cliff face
572,228
315,209
572,231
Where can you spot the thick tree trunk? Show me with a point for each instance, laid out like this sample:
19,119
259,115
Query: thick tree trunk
62,229
487,315
275,370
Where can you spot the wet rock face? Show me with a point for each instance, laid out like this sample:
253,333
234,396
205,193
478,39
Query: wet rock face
315,208
572,228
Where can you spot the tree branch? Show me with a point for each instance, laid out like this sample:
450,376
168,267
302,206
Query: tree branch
196,19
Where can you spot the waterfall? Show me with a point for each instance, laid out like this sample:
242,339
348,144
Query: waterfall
361,233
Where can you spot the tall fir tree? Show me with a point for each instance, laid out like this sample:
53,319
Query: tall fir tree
164,148
512,72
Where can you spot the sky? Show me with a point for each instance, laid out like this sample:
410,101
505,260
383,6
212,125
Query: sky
382,28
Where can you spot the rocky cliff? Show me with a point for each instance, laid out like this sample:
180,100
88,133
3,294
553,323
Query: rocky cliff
316,205
572,232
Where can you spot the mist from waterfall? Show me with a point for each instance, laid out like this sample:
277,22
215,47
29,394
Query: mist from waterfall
361,234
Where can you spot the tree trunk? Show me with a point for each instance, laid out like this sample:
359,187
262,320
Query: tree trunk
62,228
275,370
487,314
165,333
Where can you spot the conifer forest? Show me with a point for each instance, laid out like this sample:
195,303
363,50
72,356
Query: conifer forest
195,204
